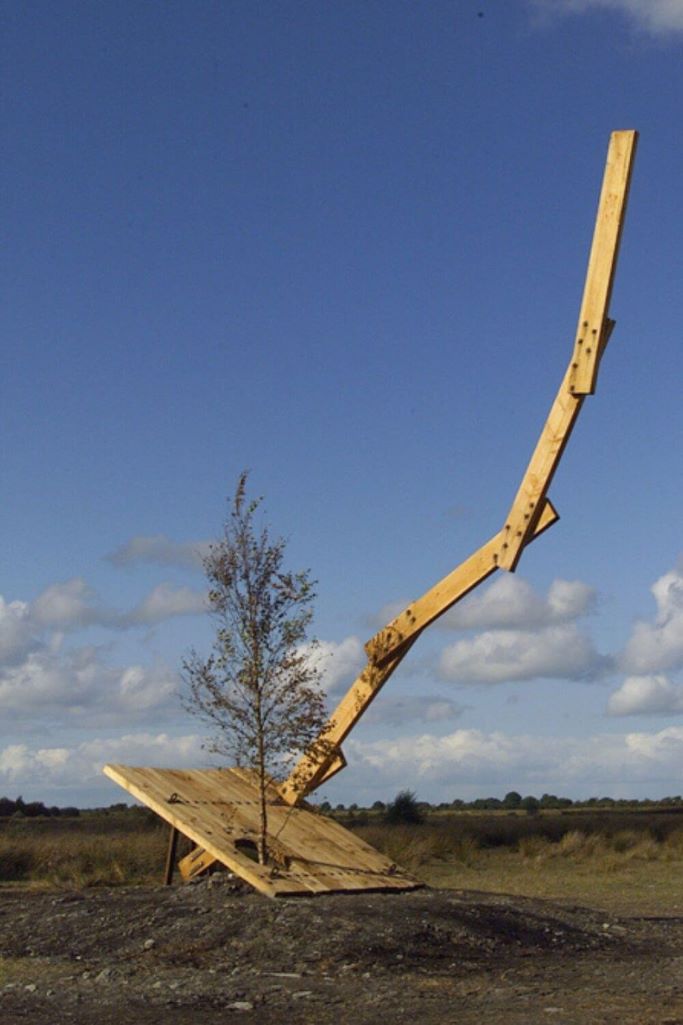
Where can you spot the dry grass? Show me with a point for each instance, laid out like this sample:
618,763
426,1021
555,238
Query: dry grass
624,871
618,862
81,859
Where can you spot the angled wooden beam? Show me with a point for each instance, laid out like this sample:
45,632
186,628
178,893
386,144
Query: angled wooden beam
531,512
446,593
311,771
602,262
592,336
196,862
333,767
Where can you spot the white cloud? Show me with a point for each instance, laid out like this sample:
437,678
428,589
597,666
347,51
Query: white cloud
646,695
510,602
658,646
41,681
77,688
460,759
339,663
72,605
16,632
164,602
82,765
160,550
500,759
658,17
496,656
67,605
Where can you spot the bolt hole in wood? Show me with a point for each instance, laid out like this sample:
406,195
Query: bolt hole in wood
247,847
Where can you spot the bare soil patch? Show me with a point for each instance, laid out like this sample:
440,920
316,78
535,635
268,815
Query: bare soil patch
211,952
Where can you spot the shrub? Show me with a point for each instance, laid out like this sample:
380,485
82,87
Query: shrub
404,809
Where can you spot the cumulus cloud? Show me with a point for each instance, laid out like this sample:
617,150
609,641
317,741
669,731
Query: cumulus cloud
339,663
460,758
164,602
496,656
160,550
510,602
79,688
40,680
82,764
497,758
72,605
657,646
68,605
17,636
646,695
657,17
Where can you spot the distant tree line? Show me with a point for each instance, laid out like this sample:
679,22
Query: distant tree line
513,801
31,809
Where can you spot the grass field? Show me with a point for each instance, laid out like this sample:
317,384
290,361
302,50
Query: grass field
622,861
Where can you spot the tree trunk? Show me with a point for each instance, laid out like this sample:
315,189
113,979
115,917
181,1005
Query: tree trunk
262,845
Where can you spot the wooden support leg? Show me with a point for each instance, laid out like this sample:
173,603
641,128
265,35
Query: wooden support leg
171,855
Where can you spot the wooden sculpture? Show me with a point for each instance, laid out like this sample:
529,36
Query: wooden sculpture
218,808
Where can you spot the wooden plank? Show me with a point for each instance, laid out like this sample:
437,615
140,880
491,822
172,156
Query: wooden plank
310,770
324,851
138,783
579,379
321,843
333,767
218,808
199,860
446,593
602,262
196,862
214,823
523,513
171,856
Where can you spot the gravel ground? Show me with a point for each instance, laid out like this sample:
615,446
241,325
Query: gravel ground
212,952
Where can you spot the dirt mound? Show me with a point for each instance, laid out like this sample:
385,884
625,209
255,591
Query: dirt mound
147,955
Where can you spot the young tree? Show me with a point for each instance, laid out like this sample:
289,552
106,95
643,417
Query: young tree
259,690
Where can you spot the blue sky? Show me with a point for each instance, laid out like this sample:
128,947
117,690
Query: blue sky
343,245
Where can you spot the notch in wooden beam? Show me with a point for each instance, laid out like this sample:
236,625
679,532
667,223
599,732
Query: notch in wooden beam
463,579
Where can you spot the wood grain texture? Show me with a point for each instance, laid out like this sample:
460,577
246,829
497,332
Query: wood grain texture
218,808
310,771
593,334
468,575
602,262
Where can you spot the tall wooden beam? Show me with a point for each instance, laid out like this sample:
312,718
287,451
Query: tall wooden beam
531,512
468,575
387,650
594,329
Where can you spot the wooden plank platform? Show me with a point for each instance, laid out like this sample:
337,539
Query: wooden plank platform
217,809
